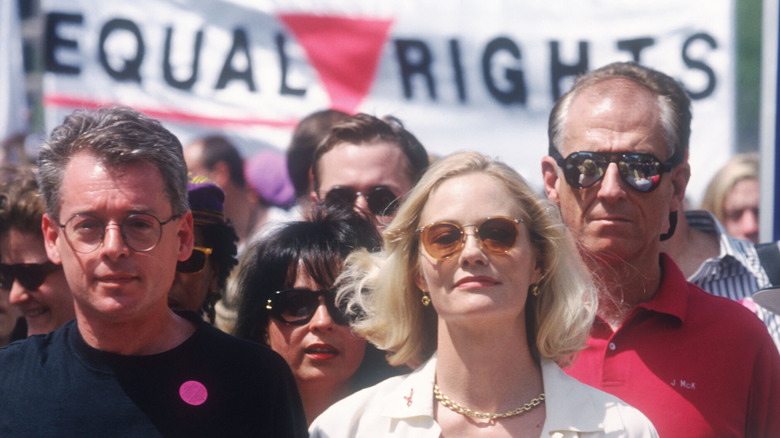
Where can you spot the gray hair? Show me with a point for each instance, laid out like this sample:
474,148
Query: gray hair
115,136
674,105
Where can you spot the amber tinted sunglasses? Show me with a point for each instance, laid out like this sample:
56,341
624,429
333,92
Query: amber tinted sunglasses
496,234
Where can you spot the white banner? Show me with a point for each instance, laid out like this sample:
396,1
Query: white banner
13,106
472,74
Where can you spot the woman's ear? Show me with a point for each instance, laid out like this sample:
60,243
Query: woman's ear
419,281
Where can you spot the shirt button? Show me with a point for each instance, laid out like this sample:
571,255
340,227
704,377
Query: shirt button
612,346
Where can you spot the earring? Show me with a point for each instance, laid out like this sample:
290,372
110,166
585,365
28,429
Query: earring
426,300
534,289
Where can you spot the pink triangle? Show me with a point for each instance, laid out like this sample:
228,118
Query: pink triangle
344,52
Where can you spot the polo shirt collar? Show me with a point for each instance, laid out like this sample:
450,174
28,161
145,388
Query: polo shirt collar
672,296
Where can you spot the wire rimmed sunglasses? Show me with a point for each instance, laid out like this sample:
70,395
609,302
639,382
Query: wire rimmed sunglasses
381,200
30,275
196,262
642,172
496,234
298,306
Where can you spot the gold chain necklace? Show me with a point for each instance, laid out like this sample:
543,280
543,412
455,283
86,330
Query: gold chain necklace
451,405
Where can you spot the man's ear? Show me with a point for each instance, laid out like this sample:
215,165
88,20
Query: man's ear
50,236
550,178
186,236
680,176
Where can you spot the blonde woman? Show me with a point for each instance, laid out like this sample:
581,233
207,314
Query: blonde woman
481,291
733,197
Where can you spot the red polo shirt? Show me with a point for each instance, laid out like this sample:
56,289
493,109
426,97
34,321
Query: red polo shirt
697,365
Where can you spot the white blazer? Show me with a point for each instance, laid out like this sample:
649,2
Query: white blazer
402,406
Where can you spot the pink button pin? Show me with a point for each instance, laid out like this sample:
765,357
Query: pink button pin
193,393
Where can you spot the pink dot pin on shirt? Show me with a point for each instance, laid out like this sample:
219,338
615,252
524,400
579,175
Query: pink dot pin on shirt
193,393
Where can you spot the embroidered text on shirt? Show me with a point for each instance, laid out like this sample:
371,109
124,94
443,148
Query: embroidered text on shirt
683,384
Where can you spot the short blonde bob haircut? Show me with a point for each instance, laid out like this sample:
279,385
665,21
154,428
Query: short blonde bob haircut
380,293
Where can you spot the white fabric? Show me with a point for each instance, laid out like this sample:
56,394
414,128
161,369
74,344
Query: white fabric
461,75
403,407
13,107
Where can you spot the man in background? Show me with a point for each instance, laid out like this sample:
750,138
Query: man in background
368,164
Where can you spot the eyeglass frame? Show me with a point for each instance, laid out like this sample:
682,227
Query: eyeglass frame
336,315
392,206
463,234
665,166
121,231
48,267
206,253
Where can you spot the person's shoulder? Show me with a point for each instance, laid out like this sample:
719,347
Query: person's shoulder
344,415
714,307
727,322
573,403
33,352
224,345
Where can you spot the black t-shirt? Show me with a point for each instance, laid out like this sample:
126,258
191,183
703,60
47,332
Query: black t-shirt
211,385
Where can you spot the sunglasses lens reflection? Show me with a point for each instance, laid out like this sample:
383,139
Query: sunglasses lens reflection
641,172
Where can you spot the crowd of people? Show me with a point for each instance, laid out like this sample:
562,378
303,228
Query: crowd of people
357,287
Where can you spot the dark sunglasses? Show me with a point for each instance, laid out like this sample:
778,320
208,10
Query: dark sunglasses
642,172
196,262
298,306
381,200
497,235
30,275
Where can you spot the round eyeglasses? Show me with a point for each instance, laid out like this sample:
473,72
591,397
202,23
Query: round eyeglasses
141,232
496,235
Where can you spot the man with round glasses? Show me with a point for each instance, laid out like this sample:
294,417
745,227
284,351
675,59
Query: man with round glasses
118,221
697,365
368,164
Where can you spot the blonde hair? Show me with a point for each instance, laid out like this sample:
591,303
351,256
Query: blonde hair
739,168
379,289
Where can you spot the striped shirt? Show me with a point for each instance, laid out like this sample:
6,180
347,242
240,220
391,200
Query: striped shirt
736,273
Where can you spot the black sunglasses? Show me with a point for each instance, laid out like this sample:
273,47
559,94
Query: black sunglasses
196,262
642,172
30,275
298,306
381,200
